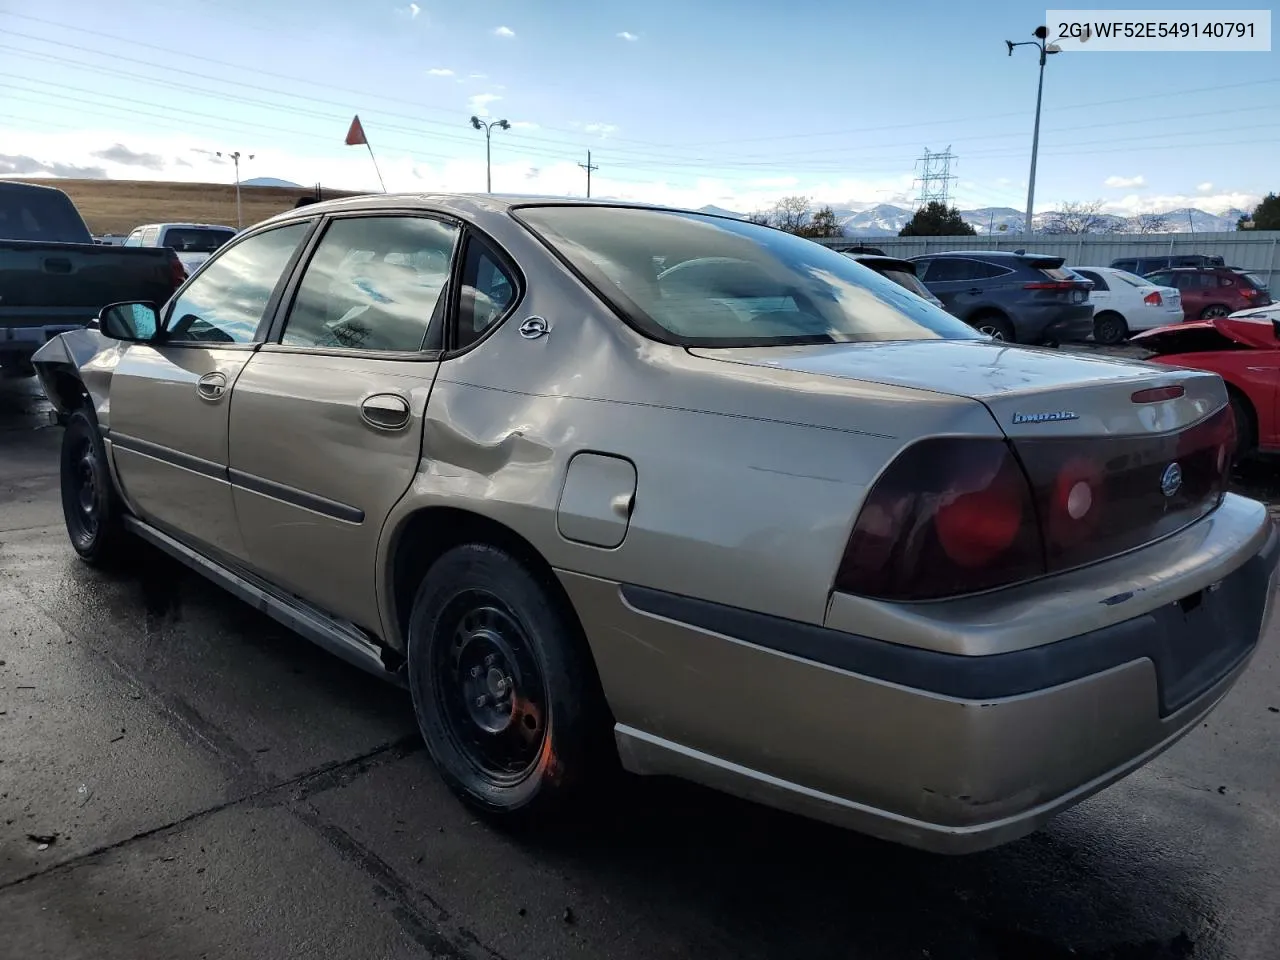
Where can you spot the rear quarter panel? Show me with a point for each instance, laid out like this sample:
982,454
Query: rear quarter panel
747,479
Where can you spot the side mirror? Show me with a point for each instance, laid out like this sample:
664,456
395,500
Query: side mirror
130,322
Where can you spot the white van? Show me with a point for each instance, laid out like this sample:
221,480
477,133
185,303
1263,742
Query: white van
193,242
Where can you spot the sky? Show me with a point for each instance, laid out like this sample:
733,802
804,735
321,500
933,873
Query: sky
727,102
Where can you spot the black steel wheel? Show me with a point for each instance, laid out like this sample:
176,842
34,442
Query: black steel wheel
90,506
1109,328
1214,311
503,686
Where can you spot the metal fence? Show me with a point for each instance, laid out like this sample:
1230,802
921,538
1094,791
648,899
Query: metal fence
1253,250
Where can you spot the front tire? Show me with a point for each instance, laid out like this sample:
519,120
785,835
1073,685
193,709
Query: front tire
1109,328
1214,311
91,507
1246,426
503,687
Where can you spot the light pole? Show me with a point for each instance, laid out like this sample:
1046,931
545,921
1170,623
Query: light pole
1041,33
488,128
235,158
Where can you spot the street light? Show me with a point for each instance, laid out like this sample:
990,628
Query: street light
235,158
487,128
1041,34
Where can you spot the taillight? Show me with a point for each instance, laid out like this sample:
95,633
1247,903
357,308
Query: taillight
949,516
177,272
1153,299
1250,292
952,516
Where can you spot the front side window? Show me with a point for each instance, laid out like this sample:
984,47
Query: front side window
375,283
226,302
727,282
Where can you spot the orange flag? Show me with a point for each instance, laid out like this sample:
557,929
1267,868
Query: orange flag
355,136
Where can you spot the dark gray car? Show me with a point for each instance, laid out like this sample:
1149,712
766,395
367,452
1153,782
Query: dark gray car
1019,297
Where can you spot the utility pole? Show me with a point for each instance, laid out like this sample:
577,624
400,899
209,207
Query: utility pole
235,158
1041,34
588,167
935,177
488,162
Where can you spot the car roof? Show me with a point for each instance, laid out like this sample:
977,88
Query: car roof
201,226
466,204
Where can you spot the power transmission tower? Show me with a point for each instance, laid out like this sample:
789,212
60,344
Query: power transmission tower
935,176
588,167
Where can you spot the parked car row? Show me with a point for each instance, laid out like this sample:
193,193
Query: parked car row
609,484
1024,297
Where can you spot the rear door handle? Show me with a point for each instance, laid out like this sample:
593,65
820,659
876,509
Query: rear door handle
212,386
385,411
57,265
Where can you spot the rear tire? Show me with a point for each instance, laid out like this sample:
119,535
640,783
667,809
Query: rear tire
1246,425
91,507
995,326
503,687
1214,311
1109,328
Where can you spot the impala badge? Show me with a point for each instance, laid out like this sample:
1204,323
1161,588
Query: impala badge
534,327
1047,417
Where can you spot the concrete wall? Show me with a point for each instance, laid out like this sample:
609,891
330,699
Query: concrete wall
1254,250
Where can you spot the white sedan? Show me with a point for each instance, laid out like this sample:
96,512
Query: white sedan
1125,303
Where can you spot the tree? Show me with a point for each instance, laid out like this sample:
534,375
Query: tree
1265,216
936,219
759,217
1151,223
1076,218
791,214
823,224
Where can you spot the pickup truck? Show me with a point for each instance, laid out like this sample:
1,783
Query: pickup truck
54,278
194,243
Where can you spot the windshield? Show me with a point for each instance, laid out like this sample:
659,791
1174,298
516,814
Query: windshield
711,281
196,239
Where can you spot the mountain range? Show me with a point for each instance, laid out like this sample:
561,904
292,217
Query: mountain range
887,219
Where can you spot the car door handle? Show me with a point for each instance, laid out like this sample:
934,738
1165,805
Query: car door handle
385,411
212,386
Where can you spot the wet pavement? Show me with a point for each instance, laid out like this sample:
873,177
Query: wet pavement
182,778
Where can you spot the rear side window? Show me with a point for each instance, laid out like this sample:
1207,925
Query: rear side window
150,236
955,269
374,283
487,291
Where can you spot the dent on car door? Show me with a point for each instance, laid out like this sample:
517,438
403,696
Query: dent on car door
326,419
169,399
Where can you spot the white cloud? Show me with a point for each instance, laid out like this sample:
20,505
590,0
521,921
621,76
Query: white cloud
480,103
1204,187
504,32
1126,182
477,76
604,129
628,36
440,72
411,11
1215,203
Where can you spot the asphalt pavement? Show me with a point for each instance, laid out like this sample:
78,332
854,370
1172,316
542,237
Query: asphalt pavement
182,778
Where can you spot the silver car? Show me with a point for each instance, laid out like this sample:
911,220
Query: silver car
606,482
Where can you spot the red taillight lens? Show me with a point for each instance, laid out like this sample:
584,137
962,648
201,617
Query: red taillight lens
949,516
1250,292
1153,299
177,272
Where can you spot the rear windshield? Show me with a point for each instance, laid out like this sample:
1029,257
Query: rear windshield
196,239
28,213
717,282
909,280
1132,278
1062,273
1256,280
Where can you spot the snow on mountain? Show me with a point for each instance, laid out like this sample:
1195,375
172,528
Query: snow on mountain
268,182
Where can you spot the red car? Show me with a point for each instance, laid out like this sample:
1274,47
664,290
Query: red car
1245,351
1209,292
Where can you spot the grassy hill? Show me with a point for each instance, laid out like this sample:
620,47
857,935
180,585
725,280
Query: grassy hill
117,206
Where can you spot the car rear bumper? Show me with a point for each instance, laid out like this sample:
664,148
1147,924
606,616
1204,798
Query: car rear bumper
943,752
1058,322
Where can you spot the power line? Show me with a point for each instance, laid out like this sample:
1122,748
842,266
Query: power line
588,166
